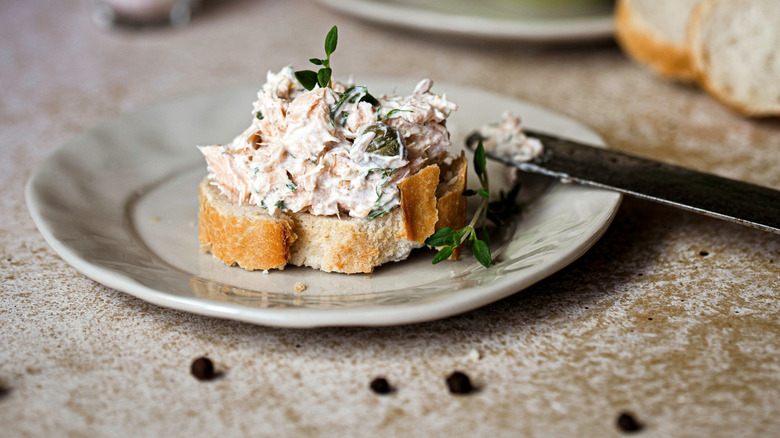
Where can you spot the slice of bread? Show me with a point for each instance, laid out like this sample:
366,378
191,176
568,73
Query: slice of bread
248,236
653,33
735,48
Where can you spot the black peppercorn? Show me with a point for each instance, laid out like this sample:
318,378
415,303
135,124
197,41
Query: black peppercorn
380,386
202,368
459,383
627,423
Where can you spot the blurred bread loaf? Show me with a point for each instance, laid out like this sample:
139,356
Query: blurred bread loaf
653,33
735,50
731,48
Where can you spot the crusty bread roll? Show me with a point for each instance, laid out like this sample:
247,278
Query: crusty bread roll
248,236
735,48
653,33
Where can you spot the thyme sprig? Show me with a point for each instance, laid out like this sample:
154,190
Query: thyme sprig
447,239
309,78
322,77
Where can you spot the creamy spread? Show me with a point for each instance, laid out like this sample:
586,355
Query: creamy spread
507,138
330,150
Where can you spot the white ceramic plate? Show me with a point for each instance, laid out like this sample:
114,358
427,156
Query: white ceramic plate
537,21
119,203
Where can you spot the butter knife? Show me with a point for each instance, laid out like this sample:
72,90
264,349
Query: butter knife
746,204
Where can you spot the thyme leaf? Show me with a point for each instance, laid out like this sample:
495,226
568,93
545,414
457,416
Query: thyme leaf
323,76
310,79
331,40
307,78
445,253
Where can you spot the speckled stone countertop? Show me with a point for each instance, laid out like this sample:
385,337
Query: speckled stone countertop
671,316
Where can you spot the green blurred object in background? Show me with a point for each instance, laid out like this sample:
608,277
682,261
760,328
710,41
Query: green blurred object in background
513,9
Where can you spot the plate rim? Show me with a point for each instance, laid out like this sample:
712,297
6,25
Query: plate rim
299,317
552,30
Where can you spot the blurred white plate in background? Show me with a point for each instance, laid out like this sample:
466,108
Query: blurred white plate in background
538,21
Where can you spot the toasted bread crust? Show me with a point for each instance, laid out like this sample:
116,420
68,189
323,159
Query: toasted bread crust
418,204
665,58
451,204
245,240
248,236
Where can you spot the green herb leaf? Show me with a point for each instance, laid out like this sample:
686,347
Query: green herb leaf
259,115
392,113
443,236
310,79
443,254
280,204
307,78
370,99
480,162
482,253
457,237
386,174
376,214
351,95
331,40
290,182
354,94
448,239
323,77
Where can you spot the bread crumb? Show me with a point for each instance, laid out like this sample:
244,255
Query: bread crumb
300,287
367,277
154,219
474,355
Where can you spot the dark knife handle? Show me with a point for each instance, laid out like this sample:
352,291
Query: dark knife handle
747,204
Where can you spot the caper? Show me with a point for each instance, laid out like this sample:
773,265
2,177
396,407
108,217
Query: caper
386,142
352,95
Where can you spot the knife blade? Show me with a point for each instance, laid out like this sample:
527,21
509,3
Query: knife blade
570,161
